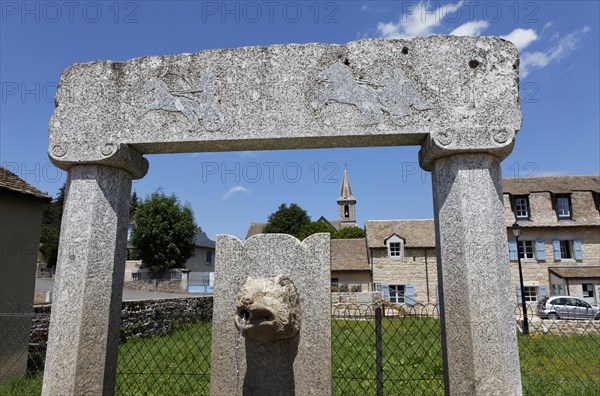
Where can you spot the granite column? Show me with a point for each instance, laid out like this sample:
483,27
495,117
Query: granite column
84,325
480,351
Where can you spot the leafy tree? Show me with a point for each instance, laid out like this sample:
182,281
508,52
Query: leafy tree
134,202
162,236
51,222
313,228
287,220
349,233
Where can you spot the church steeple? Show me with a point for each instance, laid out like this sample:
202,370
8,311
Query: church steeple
346,203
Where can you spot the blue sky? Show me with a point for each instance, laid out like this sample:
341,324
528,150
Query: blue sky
558,41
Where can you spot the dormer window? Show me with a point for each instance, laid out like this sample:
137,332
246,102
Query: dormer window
521,207
395,249
563,207
395,246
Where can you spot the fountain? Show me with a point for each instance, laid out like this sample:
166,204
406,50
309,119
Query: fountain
272,302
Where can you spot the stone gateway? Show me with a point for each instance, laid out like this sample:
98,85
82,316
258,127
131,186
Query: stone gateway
456,97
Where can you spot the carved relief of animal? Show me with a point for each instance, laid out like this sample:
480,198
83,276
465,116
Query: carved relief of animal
339,85
271,307
394,94
194,109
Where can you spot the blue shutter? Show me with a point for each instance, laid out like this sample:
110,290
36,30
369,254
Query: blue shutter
556,248
543,292
540,250
577,248
519,298
385,289
409,294
512,250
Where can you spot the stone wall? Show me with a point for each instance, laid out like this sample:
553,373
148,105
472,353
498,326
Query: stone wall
139,318
157,285
409,269
535,272
542,212
565,327
356,298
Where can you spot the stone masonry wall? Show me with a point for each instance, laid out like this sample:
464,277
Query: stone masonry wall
409,269
157,285
542,212
139,318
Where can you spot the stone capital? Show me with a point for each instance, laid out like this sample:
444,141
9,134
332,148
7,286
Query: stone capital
65,154
442,143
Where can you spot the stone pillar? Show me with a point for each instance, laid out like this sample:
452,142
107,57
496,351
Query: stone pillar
480,349
269,361
84,325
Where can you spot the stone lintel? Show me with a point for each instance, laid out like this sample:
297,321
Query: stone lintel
498,142
363,93
110,154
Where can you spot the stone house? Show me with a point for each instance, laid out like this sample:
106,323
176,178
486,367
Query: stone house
560,235
21,209
350,267
402,255
203,259
559,243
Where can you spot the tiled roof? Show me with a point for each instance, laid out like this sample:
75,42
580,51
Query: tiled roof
416,233
255,228
555,184
349,255
577,272
10,181
202,240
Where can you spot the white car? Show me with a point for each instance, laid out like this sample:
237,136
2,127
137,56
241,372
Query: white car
566,307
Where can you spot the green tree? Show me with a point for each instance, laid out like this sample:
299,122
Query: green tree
313,228
51,222
287,220
349,233
162,236
134,202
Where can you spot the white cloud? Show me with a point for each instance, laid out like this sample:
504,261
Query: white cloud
473,28
564,46
521,37
366,7
235,190
417,21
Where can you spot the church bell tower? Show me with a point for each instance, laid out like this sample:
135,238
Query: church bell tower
346,204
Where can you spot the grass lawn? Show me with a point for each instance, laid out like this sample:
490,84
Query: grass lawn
179,364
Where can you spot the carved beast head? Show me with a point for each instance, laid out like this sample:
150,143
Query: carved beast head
271,308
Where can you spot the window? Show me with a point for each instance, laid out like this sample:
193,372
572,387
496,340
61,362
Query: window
588,290
526,250
530,293
397,293
521,207
566,252
395,249
209,257
395,246
563,206
346,211
566,249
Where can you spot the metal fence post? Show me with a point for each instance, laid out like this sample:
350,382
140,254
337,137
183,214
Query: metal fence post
379,350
